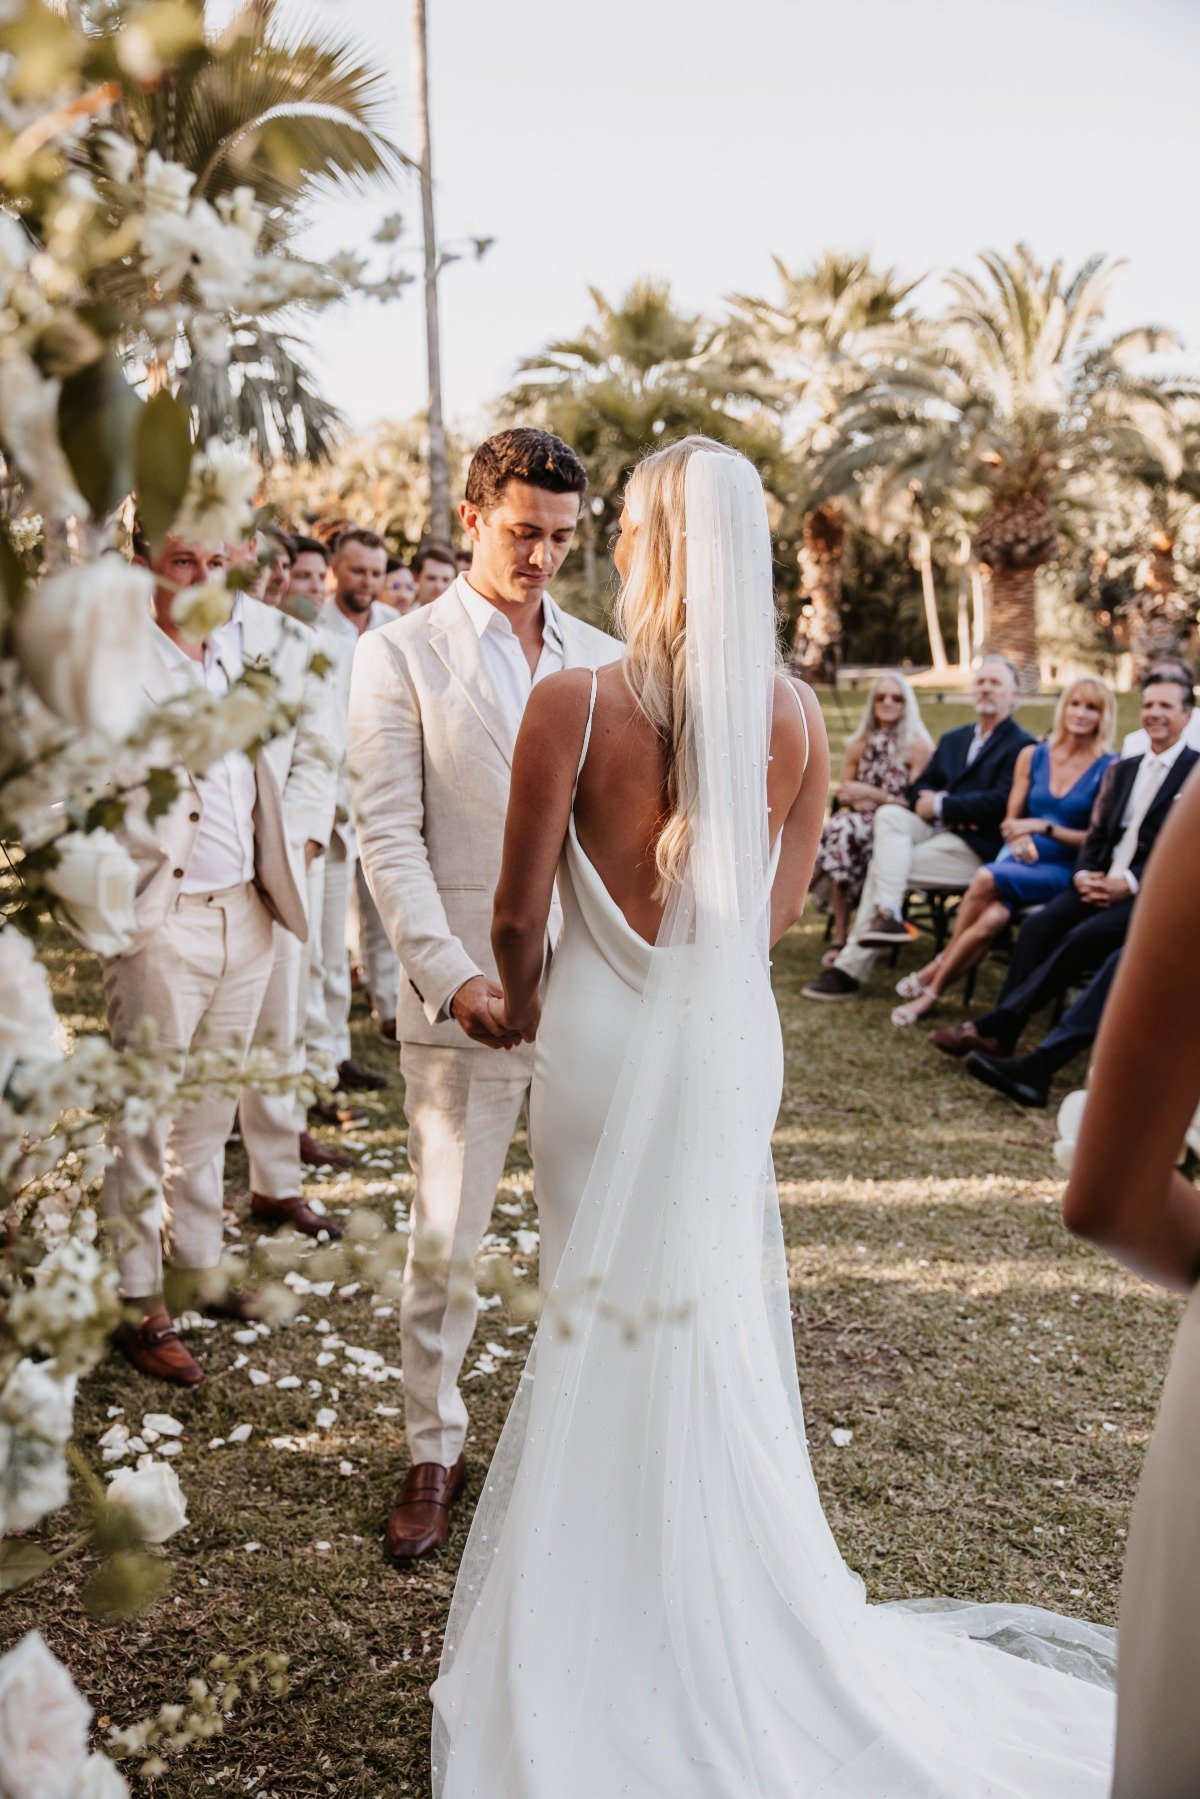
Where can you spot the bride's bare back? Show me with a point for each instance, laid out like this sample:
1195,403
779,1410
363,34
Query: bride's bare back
620,807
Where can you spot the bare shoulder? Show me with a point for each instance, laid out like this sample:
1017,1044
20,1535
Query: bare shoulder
796,715
558,705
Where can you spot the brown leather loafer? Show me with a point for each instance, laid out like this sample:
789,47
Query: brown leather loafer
295,1212
155,1348
963,1039
353,1078
387,1029
242,1307
419,1521
315,1155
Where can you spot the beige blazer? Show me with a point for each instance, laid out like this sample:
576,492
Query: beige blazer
430,757
294,779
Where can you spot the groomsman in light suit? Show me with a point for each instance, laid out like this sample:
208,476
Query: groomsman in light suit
215,874
436,703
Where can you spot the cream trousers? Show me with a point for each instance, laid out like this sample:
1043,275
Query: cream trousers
1158,1639
907,853
376,956
201,979
462,1107
327,1029
272,1122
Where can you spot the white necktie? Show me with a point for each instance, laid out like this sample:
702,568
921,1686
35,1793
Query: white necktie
1145,788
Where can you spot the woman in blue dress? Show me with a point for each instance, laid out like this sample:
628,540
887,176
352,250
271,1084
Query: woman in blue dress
1055,784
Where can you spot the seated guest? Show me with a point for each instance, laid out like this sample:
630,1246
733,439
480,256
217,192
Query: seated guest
889,749
1054,789
1137,742
1127,1195
434,569
1027,1078
1074,933
946,827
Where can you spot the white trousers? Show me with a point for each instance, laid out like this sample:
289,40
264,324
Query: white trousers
907,852
462,1107
272,1122
376,956
201,979
327,1028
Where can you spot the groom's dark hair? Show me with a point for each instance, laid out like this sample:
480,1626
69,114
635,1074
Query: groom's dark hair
536,457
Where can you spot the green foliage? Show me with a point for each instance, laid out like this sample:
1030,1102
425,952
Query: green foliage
162,462
97,414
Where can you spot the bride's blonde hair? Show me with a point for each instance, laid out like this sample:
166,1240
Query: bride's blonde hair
652,619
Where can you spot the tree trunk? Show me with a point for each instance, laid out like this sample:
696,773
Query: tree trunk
818,643
587,531
978,609
933,624
1012,622
439,470
1158,618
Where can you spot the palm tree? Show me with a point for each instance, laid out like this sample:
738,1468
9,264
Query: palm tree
290,110
816,340
638,375
1015,389
1160,620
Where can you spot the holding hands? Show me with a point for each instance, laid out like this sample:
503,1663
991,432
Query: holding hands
478,1009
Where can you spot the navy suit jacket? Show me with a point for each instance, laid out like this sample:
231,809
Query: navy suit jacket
1105,828
976,793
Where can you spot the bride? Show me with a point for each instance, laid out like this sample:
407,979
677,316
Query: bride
651,1602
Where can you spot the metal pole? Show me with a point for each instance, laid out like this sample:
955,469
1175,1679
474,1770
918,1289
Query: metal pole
439,472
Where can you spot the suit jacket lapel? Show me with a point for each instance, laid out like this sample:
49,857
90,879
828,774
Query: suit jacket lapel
573,639
454,641
1171,783
994,741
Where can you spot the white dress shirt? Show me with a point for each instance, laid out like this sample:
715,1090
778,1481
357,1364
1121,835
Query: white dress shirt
1149,778
332,615
223,851
503,656
1138,742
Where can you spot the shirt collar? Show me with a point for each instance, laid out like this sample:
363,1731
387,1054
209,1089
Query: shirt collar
1168,758
484,616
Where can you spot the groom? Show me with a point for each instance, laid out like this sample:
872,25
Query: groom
436,702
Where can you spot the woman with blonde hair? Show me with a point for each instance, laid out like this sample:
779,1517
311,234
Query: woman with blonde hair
887,751
1054,788
651,1600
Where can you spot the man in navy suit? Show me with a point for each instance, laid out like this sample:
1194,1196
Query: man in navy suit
946,828
1066,941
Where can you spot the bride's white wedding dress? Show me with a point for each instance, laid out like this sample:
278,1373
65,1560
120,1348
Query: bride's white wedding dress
651,1602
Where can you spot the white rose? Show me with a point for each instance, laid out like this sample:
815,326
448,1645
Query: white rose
43,1725
84,641
100,1779
219,505
166,186
29,427
28,1021
96,882
37,1401
201,610
155,1498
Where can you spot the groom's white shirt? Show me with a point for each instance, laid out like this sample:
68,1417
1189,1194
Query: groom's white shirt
435,705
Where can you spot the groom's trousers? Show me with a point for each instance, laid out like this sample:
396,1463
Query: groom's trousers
462,1107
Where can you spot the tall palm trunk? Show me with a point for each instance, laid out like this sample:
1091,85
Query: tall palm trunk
439,467
933,624
1159,618
819,639
1016,536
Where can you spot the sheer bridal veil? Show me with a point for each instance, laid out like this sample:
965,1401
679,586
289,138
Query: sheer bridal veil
650,1600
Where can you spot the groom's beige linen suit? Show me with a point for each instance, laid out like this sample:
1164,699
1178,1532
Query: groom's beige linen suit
432,732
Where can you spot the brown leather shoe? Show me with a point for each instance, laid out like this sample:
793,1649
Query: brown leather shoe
353,1078
419,1521
295,1212
155,1348
387,1029
963,1040
242,1307
341,1116
315,1155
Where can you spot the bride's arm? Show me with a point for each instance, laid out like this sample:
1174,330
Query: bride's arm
539,808
802,828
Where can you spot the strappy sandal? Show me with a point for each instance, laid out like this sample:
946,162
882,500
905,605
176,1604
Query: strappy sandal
914,1011
911,986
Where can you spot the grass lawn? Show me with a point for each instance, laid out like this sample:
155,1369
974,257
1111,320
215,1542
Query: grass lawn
999,1380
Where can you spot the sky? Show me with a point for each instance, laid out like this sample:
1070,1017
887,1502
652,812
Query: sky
693,139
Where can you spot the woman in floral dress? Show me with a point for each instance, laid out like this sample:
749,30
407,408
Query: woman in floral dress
888,750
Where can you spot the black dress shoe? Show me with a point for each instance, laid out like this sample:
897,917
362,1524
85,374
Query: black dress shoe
1022,1078
353,1079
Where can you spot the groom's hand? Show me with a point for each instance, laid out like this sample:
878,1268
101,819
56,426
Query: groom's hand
474,1009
